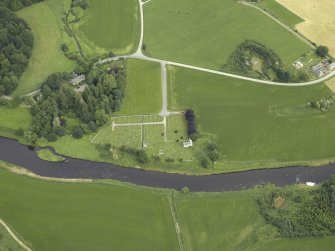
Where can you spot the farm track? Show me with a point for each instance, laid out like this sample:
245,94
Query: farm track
14,236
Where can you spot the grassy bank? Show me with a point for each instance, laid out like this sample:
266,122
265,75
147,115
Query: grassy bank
7,242
47,155
44,19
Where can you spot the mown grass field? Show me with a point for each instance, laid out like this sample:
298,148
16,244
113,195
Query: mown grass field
7,243
218,222
173,31
45,20
61,216
280,12
256,125
112,25
143,92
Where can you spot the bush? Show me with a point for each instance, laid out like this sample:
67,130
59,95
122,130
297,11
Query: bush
52,137
19,132
92,126
169,160
78,132
185,190
156,158
59,131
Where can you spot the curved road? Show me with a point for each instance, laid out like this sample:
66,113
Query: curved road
13,152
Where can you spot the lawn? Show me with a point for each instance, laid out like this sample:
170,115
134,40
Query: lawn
47,57
256,125
62,216
112,25
173,32
47,155
143,92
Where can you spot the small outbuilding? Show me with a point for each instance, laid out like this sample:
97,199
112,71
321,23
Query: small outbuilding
188,143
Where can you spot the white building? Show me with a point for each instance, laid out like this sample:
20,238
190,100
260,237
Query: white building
188,143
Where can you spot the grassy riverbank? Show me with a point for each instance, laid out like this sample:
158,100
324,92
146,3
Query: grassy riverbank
46,154
105,215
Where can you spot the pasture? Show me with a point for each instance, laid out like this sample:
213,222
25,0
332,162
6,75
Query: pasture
319,25
173,31
12,119
256,125
45,20
81,216
143,92
112,25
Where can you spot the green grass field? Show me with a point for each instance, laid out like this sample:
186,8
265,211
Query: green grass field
47,155
7,243
12,119
280,12
47,57
218,222
60,216
112,25
143,88
256,125
173,31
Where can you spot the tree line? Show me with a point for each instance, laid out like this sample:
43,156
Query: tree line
16,42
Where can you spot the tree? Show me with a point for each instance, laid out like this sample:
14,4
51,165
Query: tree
322,51
30,137
77,132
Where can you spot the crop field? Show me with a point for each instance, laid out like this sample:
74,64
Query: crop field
254,124
143,88
319,25
162,138
47,57
112,25
172,31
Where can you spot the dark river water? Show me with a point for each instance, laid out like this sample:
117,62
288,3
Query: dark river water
13,152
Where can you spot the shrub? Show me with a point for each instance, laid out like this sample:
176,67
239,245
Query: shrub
92,126
185,190
77,132
59,131
52,137
19,132
169,160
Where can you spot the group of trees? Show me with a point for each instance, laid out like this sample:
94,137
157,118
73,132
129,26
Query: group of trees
240,62
16,42
15,5
191,125
322,104
308,214
322,51
102,96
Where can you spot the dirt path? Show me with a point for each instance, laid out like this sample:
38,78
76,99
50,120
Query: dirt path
14,236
